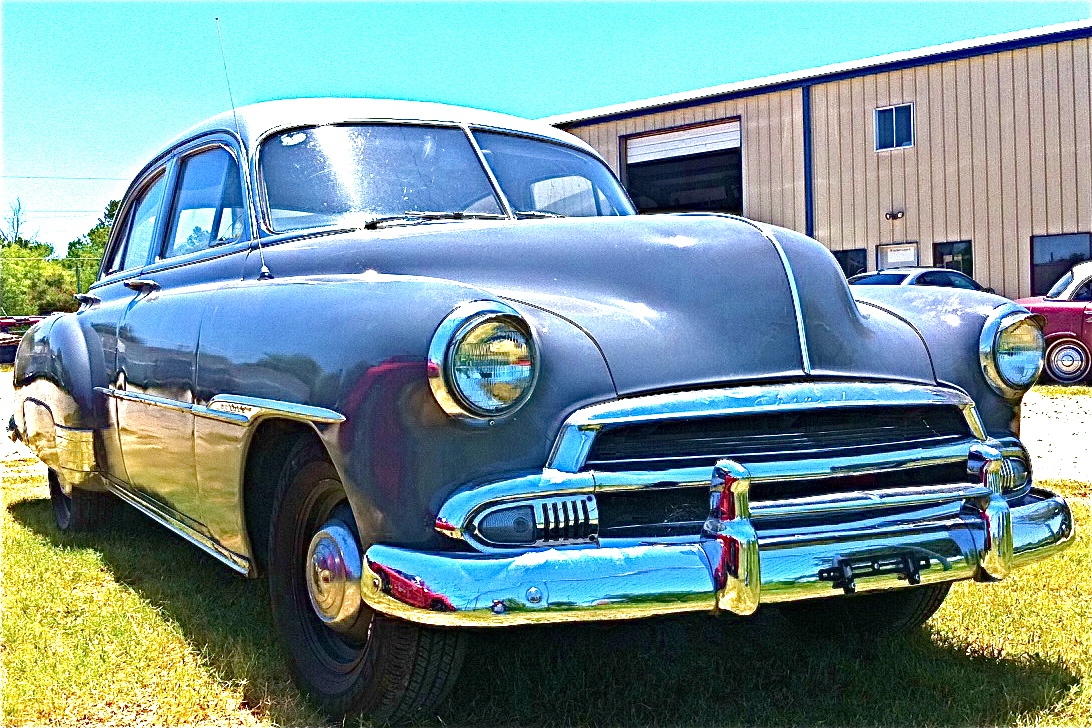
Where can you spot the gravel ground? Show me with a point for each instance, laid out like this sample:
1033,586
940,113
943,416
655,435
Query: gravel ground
1054,429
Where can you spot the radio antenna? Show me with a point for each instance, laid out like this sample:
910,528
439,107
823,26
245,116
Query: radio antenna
264,273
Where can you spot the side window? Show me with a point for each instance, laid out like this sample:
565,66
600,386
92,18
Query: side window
933,278
961,282
132,252
1084,293
208,207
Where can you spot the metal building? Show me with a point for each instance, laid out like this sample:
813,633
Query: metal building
974,155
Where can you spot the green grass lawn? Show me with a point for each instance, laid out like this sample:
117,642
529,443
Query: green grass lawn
131,626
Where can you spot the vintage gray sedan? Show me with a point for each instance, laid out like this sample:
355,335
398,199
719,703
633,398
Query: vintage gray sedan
424,369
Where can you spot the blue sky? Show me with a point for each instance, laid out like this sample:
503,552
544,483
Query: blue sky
91,90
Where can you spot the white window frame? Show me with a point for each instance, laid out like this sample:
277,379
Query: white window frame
913,126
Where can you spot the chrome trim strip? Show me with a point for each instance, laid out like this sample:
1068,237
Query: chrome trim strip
867,500
464,505
234,408
242,410
790,470
158,514
577,434
626,580
148,399
767,232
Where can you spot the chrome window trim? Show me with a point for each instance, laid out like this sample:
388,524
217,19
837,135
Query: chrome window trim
1002,317
577,434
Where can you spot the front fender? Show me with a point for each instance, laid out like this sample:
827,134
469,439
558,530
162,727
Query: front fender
358,345
950,322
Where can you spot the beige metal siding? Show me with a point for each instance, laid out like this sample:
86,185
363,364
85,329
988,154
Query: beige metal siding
1002,151
772,129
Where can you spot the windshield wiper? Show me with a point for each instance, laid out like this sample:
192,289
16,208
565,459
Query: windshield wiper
521,214
418,216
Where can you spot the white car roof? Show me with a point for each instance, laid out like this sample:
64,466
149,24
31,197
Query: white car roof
254,121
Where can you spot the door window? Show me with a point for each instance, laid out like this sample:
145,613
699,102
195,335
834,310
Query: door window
140,231
208,208
1053,255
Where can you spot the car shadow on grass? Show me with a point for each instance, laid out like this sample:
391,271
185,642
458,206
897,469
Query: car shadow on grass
687,670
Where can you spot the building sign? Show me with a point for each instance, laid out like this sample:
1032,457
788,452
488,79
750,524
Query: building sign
898,255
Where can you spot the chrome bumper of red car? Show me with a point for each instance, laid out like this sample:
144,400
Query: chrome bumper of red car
944,533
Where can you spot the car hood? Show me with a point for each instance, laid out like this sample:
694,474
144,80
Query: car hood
671,300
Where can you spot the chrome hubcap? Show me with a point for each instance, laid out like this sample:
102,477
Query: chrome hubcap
333,572
1068,360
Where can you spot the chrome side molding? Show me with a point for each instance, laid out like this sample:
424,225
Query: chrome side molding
163,516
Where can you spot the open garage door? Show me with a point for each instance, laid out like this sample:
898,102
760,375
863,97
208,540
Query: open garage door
695,169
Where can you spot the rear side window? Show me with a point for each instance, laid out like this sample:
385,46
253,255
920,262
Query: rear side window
208,208
140,230
880,279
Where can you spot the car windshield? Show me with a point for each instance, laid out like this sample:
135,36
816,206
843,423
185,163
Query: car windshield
541,176
352,175
879,279
1058,288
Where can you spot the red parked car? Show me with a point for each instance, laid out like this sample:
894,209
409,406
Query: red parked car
1068,312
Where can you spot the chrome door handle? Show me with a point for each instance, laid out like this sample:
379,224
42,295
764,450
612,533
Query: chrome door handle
141,284
87,299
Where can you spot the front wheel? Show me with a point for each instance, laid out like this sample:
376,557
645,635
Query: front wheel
80,510
1067,361
877,613
347,658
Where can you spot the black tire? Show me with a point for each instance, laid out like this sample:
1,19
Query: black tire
389,669
877,614
1067,361
83,510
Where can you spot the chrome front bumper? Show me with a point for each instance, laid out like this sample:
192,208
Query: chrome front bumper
949,533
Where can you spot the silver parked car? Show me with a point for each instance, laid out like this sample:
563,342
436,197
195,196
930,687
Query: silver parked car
424,369
939,277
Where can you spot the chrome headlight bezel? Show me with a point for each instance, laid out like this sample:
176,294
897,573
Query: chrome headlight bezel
1002,319
451,332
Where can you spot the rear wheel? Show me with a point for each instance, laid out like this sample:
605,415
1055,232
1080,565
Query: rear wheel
878,613
80,510
347,658
1067,361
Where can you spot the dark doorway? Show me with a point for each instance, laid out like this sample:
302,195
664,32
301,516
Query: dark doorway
711,182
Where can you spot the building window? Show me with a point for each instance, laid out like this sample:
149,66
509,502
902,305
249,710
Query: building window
954,256
1053,255
895,127
852,261
896,255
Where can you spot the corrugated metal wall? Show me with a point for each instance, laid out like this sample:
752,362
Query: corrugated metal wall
1002,151
773,134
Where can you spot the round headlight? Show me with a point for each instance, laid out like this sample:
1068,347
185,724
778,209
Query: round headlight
1011,349
482,361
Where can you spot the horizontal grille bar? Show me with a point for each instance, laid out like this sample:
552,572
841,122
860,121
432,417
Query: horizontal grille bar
776,436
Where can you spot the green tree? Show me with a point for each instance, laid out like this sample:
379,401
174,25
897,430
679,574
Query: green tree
32,280
85,253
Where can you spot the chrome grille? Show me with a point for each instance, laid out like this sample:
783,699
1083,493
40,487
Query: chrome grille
560,520
775,436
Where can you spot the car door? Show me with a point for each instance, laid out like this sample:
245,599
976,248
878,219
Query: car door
1083,296
204,239
106,301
